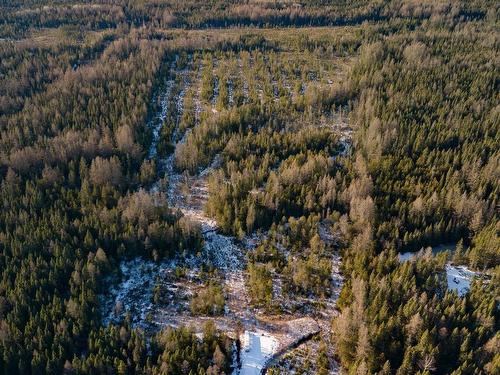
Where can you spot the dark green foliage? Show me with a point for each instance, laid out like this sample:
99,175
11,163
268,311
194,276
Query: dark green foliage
260,284
71,207
208,301
76,82
121,350
429,141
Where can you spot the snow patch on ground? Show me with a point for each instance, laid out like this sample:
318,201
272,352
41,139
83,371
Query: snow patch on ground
198,109
459,278
257,348
134,293
222,251
216,92
337,278
179,99
230,91
157,122
245,87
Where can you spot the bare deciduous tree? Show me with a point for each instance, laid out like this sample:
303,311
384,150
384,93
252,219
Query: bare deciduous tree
105,171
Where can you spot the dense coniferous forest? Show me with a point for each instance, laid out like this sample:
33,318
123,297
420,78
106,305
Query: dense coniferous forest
267,162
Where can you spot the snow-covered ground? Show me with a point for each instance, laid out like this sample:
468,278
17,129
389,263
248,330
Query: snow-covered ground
198,109
135,290
216,90
257,348
338,122
284,336
337,278
157,122
179,99
230,92
459,278
223,252
188,194
134,293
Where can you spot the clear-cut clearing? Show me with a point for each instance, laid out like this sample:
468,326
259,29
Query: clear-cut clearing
264,338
